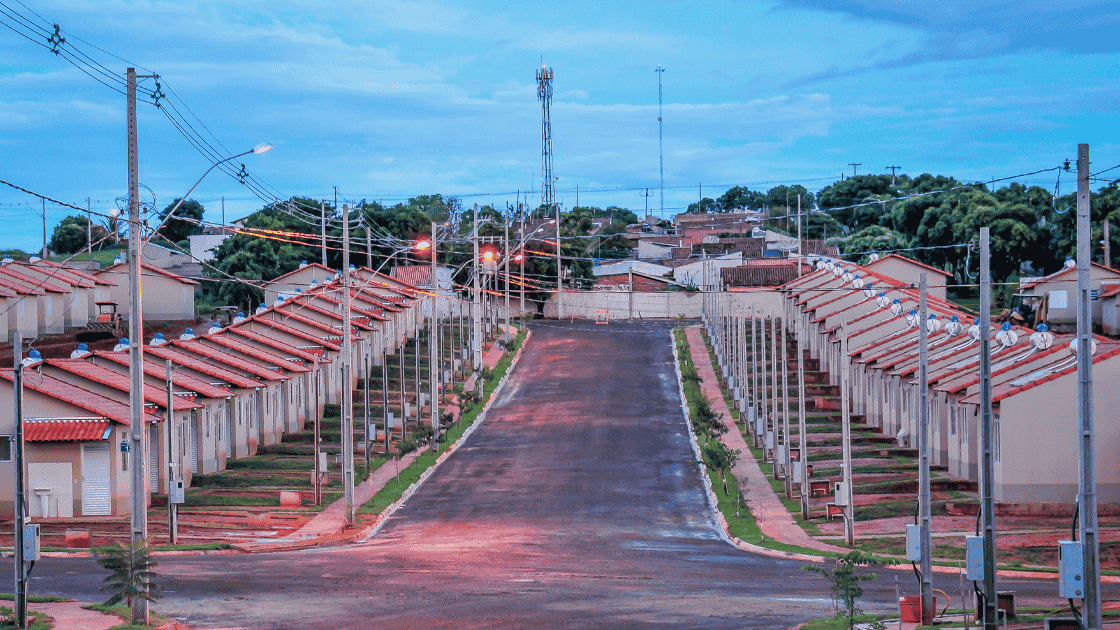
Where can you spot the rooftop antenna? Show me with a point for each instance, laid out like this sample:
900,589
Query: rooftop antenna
544,93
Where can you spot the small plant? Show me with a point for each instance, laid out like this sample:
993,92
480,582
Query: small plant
131,573
844,582
718,457
403,448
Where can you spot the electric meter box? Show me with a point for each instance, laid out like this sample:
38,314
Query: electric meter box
1071,569
31,542
974,557
178,492
839,496
913,542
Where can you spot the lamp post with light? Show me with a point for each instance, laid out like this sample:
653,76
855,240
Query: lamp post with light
138,426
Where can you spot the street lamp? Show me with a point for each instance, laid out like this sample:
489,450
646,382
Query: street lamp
263,147
139,429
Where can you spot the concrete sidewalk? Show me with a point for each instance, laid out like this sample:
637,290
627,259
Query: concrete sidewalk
71,616
772,516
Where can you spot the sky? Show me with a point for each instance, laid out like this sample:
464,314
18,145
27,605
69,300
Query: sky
386,100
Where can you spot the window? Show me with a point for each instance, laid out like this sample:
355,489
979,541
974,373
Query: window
5,448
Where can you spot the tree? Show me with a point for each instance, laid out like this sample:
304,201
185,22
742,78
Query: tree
70,235
857,190
873,238
184,223
844,582
740,197
131,574
705,205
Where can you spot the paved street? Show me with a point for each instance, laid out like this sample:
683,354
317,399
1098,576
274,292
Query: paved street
575,505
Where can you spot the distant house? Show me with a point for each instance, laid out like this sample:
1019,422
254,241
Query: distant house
1054,297
623,267
51,297
636,281
909,271
706,273
763,273
1110,309
203,245
301,279
164,295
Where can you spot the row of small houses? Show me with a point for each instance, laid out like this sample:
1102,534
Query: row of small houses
232,389
1034,379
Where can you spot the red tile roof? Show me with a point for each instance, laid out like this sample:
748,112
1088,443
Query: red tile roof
1113,289
104,376
151,268
1004,390
55,273
284,348
65,430
265,319
416,275
912,262
78,272
12,271
180,381
205,367
72,394
219,355
227,341
330,272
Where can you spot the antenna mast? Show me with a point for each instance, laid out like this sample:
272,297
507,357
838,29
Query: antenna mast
544,93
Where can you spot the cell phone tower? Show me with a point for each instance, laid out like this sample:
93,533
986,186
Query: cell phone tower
548,182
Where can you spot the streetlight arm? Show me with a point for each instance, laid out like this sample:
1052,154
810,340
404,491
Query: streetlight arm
259,149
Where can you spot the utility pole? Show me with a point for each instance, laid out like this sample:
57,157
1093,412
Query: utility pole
434,376
137,425
89,228
317,437
846,419
754,376
476,308
559,267
854,167
1091,603
505,256
798,235
44,228
1107,244
645,195
223,212
893,169
987,501
172,507
802,439
347,376
323,231
928,609
783,330
369,248
367,441
20,491
660,140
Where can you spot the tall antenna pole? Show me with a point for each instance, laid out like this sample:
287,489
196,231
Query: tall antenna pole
544,93
660,140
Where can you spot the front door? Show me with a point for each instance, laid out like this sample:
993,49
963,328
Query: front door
96,499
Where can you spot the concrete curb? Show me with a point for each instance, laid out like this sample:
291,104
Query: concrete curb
713,504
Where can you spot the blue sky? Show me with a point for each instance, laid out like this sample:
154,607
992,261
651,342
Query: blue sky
388,100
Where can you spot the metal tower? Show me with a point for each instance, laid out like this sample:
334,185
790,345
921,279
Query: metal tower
548,182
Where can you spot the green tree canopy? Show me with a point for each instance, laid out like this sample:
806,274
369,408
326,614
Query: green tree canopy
177,229
70,235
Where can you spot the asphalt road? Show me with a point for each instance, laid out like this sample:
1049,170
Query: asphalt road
575,505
